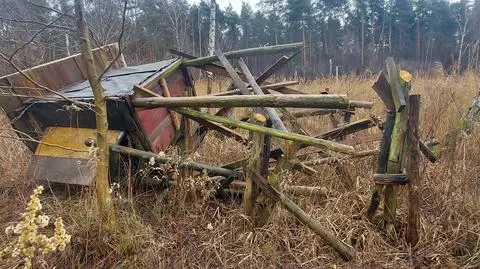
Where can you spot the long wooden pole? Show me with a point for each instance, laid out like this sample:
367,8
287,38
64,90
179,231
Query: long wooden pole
413,167
321,143
211,170
269,101
276,121
254,163
246,52
344,250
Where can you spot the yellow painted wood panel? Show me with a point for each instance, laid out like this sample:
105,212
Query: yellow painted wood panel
69,142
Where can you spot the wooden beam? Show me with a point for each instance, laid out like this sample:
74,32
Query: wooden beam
269,101
211,170
246,52
321,143
273,115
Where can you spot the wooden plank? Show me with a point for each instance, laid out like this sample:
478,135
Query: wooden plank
394,81
382,88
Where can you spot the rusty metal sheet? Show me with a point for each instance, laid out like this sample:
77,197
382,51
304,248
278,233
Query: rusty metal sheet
63,170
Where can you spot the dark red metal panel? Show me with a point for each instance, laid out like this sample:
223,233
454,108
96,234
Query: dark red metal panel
157,122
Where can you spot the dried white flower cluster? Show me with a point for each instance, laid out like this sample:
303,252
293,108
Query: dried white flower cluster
26,241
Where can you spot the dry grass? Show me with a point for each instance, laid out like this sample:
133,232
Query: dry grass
181,228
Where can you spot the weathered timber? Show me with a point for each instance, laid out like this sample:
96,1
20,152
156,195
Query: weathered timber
273,115
220,129
254,163
291,189
200,167
382,161
427,152
265,88
236,80
390,178
394,166
413,170
347,129
152,82
214,68
394,81
270,100
321,143
275,67
314,112
246,52
359,104
344,250
166,92
326,160
382,88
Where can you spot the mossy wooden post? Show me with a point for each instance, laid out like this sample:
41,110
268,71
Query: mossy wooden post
412,160
400,85
254,163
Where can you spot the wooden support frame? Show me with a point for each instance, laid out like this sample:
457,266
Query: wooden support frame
246,52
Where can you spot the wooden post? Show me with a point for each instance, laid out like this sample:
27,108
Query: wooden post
254,164
400,88
413,161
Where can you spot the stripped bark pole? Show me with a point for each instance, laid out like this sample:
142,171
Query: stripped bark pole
254,163
413,167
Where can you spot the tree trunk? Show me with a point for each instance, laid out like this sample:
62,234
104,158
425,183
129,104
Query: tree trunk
211,34
104,200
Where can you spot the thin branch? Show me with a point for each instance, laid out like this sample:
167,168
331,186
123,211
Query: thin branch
31,139
39,23
119,44
35,35
51,9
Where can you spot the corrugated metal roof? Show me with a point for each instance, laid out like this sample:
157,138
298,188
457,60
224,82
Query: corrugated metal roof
117,82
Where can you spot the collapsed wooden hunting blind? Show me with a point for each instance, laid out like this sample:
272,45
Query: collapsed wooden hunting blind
153,106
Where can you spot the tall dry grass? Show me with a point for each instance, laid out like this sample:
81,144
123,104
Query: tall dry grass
183,229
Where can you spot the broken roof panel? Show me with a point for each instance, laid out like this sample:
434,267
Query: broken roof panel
117,82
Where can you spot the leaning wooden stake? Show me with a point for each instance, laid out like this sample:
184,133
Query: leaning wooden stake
254,164
412,161
344,250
